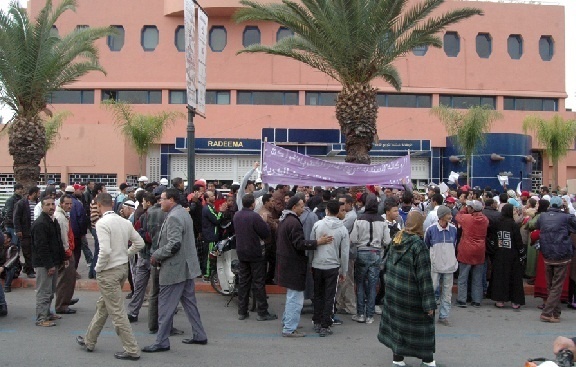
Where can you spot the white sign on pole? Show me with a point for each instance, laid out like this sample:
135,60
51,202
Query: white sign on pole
190,43
202,39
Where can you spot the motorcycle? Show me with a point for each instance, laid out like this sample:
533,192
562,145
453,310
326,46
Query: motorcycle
564,358
224,280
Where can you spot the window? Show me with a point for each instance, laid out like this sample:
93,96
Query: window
484,45
54,32
116,41
283,32
251,36
71,97
530,104
451,44
515,49
134,96
217,38
546,48
149,37
81,26
179,41
218,97
464,102
321,98
404,100
420,50
267,98
177,97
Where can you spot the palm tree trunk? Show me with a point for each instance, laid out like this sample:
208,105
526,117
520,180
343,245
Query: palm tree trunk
26,144
555,172
45,170
468,166
140,165
356,111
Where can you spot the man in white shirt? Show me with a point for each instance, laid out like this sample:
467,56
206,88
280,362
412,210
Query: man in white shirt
432,217
113,232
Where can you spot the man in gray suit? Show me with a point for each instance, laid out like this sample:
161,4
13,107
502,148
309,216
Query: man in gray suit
176,256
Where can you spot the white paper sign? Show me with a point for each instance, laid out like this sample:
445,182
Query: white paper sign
202,39
190,42
443,188
503,180
453,178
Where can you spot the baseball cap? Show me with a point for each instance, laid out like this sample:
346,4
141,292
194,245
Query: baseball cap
450,199
143,179
525,193
69,189
164,181
79,187
556,201
475,205
123,185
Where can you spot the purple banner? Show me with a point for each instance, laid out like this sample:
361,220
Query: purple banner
283,166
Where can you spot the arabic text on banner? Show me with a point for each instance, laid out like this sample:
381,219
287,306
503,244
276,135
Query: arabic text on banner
202,34
190,43
284,166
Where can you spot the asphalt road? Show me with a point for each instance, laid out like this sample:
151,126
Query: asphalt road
479,337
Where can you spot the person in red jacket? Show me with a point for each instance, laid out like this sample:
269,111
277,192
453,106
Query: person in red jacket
471,251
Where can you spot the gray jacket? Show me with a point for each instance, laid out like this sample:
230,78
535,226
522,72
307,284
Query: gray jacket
177,248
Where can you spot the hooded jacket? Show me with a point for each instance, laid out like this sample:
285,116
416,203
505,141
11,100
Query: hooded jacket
472,246
555,229
335,254
365,238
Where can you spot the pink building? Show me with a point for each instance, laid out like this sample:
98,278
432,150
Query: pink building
512,57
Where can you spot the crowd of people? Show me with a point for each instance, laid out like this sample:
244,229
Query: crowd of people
362,251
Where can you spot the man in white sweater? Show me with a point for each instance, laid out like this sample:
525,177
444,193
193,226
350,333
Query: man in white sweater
114,233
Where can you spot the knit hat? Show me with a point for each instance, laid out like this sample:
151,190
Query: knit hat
556,201
130,204
442,211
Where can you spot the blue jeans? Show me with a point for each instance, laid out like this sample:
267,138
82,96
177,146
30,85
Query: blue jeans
477,272
444,283
2,297
15,239
9,272
366,270
294,303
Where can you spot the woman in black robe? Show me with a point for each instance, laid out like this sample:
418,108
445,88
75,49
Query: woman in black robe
507,270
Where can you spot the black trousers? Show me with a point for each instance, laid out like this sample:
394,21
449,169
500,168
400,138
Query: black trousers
26,245
325,281
252,275
271,260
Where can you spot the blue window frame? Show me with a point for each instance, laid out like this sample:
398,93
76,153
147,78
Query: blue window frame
217,38
149,37
404,100
267,98
251,36
115,42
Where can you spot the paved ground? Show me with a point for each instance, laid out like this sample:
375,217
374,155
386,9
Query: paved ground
480,337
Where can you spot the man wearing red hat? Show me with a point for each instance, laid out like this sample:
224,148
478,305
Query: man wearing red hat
524,196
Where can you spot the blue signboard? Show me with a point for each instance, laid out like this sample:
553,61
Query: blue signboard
216,145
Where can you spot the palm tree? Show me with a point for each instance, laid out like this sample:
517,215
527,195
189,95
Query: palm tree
34,62
354,42
469,127
52,127
556,136
141,130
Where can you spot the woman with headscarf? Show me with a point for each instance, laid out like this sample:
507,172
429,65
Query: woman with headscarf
407,322
506,281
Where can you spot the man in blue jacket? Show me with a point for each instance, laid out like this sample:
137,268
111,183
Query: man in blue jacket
251,230
556,246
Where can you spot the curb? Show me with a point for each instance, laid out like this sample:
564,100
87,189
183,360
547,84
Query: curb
201,287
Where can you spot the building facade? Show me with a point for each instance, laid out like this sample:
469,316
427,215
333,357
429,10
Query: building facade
512,58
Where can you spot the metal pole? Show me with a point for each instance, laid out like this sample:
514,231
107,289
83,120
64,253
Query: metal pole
191,146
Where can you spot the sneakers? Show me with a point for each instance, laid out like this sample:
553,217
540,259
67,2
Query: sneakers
243,316
476,304
461,304
132,318
266,317
444,322
317,328
325,331
378,310
359,318
336,320
550,319
294,334
369,320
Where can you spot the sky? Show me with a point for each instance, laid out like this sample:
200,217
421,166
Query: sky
570,6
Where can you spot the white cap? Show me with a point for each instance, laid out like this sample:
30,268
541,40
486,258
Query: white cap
69,188
258,180
235,183
164,181
143,179
130,204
